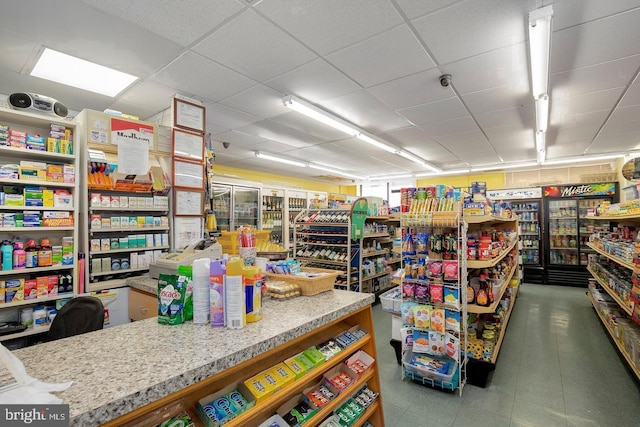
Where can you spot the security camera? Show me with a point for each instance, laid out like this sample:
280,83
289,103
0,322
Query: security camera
226,144
445,80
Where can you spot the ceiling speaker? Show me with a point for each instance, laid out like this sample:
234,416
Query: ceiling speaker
39,103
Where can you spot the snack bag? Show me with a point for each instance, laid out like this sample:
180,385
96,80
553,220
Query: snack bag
437,320
452,345
171,299
437,293
422,292
450,269
452,320
422,316
408,290
420,341
406,310
452,297
436,344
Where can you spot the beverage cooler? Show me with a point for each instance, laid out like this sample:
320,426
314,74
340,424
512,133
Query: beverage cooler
296,202
236,205
527,204
273,213
568,209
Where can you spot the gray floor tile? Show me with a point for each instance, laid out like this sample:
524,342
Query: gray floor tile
556,368
531,414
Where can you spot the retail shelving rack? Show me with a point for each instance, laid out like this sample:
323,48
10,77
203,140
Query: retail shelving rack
322,239
614,285
438,223
34,125
478,369
376,246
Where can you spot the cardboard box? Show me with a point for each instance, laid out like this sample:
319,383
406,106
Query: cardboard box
52,285
96,265
259,388
283,375
215,415
30,289
14,290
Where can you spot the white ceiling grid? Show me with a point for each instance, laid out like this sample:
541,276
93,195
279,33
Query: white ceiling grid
374,63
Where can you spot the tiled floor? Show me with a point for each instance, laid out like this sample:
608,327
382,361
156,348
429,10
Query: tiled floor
556,368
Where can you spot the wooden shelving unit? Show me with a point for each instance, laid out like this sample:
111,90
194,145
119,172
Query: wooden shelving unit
493,261
619,260
608,290
187,398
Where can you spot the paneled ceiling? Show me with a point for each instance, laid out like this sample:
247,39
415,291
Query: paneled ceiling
374,63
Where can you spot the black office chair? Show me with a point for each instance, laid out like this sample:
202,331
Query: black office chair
78,316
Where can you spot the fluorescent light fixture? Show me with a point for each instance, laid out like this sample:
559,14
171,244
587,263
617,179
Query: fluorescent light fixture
583,159
389,177
375,143
539,49
541,139
417,160
542,113
444,172
542,156
318,114
71,71
503,166
273,158
336,171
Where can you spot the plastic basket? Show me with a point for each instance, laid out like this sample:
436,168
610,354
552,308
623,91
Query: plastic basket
229,242
310,285
426,373
391,300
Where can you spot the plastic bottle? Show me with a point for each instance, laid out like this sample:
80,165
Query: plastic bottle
216,293
31,260
19,256
7,255
200,274
45,254
253,293
234,295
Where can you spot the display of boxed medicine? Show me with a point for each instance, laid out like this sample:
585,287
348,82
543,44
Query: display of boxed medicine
14,200
62,199
47,198
55,173
14,290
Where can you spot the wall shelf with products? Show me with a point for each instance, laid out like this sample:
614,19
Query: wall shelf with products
497,274
376,252
38,212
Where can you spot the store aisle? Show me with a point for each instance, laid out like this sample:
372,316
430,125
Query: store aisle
556,368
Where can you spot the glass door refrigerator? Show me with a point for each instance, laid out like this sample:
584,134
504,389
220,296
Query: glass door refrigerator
246,207
527,203
568,208
296,201
236,205
273,213
221,205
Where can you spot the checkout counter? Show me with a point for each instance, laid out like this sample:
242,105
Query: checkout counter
131,374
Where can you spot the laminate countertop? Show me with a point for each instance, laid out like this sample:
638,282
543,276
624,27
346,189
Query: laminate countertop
117,370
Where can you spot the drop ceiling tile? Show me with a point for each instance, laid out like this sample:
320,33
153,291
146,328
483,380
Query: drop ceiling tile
316,81
472,141
571,121
607,75
415,8
415,140
266,52
410,91
625,114
193,74
590,102
260,100
331,25
238,139
182,22
300,122
568,13
16,51
449,127
567,135
525,140
446,109
515,156
625,127
137,110
276,132
499,98
387,56
616,143
516,134
362,109
230,118
632,96
523,115
597,41
150,95
215,129
576,148
113,42
473,27
502,67
278,148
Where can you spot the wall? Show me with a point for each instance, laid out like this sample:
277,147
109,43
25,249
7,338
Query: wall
494,180
562,174
281,181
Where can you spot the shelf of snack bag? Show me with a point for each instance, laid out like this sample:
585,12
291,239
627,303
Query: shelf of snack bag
619,288
624,211
433,311
624,332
